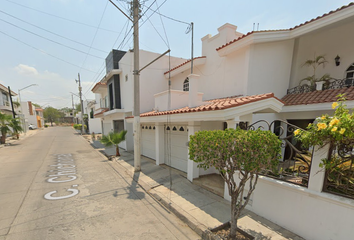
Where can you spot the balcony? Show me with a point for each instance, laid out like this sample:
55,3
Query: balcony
6,106
330,84
176,98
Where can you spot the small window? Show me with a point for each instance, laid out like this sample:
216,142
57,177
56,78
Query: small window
350,76
186,85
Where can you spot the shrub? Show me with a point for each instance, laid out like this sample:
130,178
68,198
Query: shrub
239,155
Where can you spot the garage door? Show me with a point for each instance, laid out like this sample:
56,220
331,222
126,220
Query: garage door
148,141
176,150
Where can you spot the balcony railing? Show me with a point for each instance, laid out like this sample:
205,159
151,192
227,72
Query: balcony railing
329,84
340,173
295,164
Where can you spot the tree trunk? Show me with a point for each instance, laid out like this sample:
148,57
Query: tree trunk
3,139
117,151
234,216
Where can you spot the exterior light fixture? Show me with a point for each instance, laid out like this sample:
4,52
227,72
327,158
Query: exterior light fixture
337,60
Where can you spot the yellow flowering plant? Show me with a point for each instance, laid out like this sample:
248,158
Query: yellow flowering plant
326,129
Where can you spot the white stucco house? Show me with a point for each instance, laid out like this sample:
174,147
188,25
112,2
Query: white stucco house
32,115
114,93
238,80
5,102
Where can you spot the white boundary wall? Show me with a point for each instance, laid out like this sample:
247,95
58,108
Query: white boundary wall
308,212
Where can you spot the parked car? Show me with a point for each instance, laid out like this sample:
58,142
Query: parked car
32,127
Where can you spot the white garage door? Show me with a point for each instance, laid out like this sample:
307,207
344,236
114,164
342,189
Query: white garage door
148,141
176,150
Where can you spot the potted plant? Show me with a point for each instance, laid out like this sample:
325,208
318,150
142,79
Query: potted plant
315,63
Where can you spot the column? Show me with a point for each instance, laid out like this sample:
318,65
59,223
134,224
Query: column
193,90
317,174
159,143
192,169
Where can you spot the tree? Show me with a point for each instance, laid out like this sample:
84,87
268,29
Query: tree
4,126
114,139
78,107
315,63
36,105
51,114
15,125
239,156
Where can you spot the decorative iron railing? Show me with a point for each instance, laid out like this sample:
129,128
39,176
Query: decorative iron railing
339,83
300,89
295,163
328,84
339,178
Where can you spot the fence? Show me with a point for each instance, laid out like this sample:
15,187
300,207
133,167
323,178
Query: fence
295,164
339,178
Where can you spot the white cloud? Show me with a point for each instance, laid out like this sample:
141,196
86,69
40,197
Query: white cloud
23,69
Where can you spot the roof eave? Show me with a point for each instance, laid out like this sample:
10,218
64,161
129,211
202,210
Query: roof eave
268,105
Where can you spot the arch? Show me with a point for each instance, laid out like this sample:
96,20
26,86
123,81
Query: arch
186,85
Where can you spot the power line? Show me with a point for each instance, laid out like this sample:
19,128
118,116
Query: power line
163,25
173,19
48,39
44,51
121,44
94,37
51,31
66,19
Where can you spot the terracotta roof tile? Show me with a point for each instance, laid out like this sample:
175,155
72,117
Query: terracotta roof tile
183,64
324,15
103,110
214,104
297,26
6,89
324,96
97,85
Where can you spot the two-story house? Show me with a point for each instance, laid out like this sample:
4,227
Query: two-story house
243,78
114,93
5,102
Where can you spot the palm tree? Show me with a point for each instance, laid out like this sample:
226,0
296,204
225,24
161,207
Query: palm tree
315,63
4,126
16,126
114,139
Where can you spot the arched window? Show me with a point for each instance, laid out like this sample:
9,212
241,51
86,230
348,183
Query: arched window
186,85
349,81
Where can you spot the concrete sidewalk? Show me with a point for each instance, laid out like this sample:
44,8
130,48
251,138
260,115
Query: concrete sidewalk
10,140
198,207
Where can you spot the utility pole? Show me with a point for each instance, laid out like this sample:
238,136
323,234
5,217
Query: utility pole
192,24
12,105
136,112
73,110
82,106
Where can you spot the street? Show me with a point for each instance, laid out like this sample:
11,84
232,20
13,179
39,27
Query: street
54,185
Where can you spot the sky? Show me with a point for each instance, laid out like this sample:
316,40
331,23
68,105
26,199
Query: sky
50,42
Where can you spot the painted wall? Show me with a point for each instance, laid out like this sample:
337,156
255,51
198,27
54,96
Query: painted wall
270,67
332,41
95,125
308,212
219,76
152,80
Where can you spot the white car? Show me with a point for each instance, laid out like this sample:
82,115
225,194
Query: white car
32,127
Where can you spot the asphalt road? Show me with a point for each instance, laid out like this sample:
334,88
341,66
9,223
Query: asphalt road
54,185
